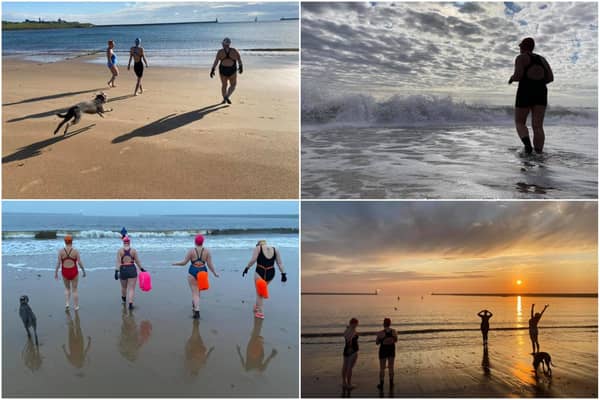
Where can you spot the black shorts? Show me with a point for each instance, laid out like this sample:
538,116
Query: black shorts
531,94
128,271
227,71
138,68
387,351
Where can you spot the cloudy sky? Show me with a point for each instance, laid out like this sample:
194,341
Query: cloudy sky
145,12
465,50
422,247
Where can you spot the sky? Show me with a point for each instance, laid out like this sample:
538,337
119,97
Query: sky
463,50
132,208
102,13
422,247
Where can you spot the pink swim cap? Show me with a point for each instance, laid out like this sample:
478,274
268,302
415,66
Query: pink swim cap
199,240
126,239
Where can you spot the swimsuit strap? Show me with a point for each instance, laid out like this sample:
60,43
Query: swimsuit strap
127,252
198,255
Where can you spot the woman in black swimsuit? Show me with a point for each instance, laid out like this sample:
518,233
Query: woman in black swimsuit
350,353
533,73
227,58
485,316
137,54
533,327
265,258
386,339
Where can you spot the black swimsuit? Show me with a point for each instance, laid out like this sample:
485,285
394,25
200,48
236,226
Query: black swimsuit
265,266
230,70
532,92
138,66
352,347
387,350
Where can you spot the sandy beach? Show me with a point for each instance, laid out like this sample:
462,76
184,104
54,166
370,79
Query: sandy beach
454,365
174,141
158,350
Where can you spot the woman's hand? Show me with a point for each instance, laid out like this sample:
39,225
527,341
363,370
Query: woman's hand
216,275
245,271
56,275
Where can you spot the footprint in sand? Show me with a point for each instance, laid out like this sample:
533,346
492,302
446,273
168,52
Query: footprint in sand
26,187
124,149
93,169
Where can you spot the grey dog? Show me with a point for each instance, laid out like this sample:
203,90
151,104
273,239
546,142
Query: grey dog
95,106
28,317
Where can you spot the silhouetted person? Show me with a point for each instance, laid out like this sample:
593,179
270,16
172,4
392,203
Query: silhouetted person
386,339
77,349
532,72
255,350
350,353
533,327
485,316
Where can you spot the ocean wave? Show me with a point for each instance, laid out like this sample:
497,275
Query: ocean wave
102,234
359,110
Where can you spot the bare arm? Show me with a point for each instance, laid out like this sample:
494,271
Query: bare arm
216,60
240,61
519,69
278,260
130,57
144,58
188,258
136,259
57,265
550,77
254,257
490,314
118,263
80,263
210,263
542,313
532,306
479,314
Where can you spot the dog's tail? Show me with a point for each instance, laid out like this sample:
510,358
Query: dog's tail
61,115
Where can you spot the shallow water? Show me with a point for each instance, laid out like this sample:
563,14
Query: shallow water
459,162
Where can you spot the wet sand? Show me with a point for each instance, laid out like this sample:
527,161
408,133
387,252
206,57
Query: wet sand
158,350
174,141
455,365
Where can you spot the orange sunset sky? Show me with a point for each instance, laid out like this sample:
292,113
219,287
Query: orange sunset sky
422,247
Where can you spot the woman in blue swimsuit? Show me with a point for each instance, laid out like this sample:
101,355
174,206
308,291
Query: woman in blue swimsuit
199,258
111,63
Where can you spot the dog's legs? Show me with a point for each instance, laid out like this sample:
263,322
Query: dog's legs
64,121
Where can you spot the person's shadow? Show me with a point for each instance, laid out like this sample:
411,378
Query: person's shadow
485,362
52,96
255,350
132,338
31,355
195,351
77,349
169,123
35,149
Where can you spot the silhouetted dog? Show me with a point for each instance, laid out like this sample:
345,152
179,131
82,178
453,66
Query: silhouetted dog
28,317
95,106
543,358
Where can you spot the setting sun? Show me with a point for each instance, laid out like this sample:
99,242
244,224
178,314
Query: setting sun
519,282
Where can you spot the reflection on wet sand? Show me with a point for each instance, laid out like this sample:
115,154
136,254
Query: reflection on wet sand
132,339
255,351
195,351
485,362
77,353
31,356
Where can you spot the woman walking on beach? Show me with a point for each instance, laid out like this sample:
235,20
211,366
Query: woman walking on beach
199,258
386,340
111,63
68,261
533,327
533,73
137,54
128,262
227,58
350,353
265,257
485,316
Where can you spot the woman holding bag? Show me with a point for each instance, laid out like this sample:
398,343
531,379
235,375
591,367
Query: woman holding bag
199,258
265,258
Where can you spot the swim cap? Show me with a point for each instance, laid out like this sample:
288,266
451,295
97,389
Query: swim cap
138,41
199,240
353,321
387,322
527,43
126,239
261,243
227,41
68,239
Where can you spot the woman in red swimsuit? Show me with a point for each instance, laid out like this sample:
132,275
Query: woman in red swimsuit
68,261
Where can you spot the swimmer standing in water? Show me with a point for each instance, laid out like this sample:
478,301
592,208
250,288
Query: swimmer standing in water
227,58
533,73
137,54
68,261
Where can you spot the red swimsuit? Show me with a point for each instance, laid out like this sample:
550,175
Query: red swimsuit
69,273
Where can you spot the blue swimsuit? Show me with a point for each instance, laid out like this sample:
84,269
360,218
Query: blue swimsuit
113,61
194,268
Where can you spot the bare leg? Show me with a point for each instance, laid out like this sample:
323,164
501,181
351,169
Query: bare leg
391,369
259,299
223,86
131,289
381,373
232,85
353,359
124,290
67,292
74,283
195,292
537,123
521,114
